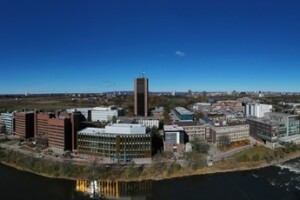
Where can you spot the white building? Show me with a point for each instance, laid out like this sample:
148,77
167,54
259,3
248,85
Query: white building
257,110
147,121
125,129
9,120
103,113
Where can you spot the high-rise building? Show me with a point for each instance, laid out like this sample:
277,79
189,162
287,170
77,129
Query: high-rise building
141,97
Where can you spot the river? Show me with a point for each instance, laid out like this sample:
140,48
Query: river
275,182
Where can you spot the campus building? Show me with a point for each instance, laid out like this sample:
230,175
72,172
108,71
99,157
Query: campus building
257,110
104,114
289,122
175,138
118,142
141,96
275,128
266,130
147,121
221,135
57,130
9,121
195,130
25,124
182,114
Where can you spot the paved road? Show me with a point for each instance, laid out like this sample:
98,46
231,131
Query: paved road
219,155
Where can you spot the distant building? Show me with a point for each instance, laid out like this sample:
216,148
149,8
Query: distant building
175,138
141,97
229,133
203,107
118,142
9,120
86,112
147,121
183,114
158,112
235,106
104,114
257,110
25,124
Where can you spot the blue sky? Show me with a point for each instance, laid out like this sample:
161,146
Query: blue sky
99,45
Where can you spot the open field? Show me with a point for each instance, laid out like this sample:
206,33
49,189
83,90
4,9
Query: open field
45,103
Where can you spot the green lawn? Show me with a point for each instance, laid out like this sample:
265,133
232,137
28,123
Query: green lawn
261,151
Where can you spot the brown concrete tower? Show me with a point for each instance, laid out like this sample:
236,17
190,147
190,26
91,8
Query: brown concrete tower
141,97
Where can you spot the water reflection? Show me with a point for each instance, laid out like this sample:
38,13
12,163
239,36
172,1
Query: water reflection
114,189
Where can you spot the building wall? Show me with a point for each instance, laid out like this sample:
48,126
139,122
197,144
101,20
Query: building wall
183,114
9,120
114,146
103,115
196,131
141,97
60,133
234,133
257,110
264,131
291,122
25,124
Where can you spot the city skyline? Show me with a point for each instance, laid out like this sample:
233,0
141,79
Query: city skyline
98,46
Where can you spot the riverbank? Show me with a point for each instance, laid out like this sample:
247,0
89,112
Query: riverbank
131,172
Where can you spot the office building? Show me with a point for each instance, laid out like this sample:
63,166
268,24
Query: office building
57,130
175,138
25,124
60,133
104,114
195,130
41,127
182,114
257,110
118,142
9,120
141,96
222,135
289,122
147,121
266,130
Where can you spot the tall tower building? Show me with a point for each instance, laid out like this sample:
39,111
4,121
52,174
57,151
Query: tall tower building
141,97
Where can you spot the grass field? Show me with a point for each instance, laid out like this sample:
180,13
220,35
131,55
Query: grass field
261,151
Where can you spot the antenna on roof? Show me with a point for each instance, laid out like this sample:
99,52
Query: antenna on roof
143,74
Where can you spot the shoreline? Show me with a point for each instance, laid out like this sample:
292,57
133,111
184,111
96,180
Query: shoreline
180,174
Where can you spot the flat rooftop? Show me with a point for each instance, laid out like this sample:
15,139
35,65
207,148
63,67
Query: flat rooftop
172,128
290,138
264,120
280,114
183,111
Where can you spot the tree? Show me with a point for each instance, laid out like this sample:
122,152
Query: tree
114,119
224,140
199,115
199,146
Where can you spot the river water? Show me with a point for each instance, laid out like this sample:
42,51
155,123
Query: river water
276,182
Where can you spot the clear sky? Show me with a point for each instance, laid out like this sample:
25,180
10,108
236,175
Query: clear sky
102,45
